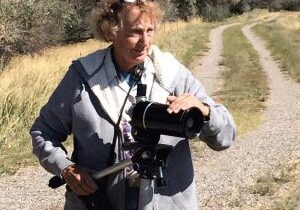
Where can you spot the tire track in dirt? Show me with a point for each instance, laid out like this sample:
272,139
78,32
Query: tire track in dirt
224,179
210,68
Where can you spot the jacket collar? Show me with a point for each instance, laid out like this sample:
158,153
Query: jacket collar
101,71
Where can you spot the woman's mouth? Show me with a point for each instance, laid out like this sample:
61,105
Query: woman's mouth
141,52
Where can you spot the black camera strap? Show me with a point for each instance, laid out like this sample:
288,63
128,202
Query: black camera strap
136,75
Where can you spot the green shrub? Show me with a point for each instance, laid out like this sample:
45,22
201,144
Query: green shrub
28,26
217,12
170,10
186,9
292,5
239,7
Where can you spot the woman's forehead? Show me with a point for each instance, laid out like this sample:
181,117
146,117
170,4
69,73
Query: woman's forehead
135,17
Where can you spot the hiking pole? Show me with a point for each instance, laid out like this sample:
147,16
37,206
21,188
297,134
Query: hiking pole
57,181
112,169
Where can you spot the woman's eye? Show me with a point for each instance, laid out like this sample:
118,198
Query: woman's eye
134,33
150,32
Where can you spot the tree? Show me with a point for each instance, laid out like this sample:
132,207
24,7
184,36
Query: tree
185,8
169,8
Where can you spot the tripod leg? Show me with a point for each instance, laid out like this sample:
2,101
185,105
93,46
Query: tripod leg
146,194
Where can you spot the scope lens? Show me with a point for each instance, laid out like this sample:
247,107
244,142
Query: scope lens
190,122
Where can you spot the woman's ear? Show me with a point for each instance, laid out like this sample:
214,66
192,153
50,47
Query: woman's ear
112,36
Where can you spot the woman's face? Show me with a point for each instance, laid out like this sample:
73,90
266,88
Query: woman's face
133,40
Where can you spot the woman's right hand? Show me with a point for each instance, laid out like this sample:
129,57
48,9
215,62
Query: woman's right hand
79,180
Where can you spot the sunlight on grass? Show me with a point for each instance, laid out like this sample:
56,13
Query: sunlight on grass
289,20
252,16
185,40
25,86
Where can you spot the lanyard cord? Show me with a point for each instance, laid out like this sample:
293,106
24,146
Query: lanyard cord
136,76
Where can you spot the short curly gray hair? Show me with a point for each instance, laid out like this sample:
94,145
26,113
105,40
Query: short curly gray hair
107,17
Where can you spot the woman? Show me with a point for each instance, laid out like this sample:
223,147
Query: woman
88,104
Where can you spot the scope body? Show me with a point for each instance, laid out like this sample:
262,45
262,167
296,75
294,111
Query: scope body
151,117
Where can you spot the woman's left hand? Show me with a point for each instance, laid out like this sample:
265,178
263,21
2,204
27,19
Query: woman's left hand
186,101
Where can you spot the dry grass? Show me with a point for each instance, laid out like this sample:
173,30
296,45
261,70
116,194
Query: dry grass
253,16
289,20
25,85
184,40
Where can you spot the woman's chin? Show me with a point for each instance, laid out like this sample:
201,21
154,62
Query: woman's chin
140,58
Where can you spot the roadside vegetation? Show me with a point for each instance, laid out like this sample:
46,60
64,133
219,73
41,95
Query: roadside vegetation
30,26
27,82
189,41
25,85
245,85
284,41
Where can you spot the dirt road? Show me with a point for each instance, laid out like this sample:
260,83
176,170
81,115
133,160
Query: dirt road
225,179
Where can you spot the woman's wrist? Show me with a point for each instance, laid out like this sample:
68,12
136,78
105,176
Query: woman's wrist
206,115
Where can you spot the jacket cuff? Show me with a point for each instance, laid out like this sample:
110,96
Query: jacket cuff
62,164
213,124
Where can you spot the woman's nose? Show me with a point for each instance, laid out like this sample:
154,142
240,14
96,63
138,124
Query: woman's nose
145,39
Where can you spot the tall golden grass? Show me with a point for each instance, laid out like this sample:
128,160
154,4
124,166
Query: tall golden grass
24,86
27,82
252,16
289,20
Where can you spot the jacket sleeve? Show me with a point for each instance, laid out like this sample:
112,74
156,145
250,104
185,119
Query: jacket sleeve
53,125
220,130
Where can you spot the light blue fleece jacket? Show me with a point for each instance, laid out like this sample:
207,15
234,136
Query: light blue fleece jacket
70,110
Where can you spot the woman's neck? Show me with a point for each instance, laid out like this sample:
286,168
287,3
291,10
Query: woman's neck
121,64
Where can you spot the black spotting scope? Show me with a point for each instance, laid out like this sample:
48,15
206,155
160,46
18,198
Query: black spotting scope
150,117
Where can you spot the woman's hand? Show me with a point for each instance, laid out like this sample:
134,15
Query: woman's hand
79,180
186,101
